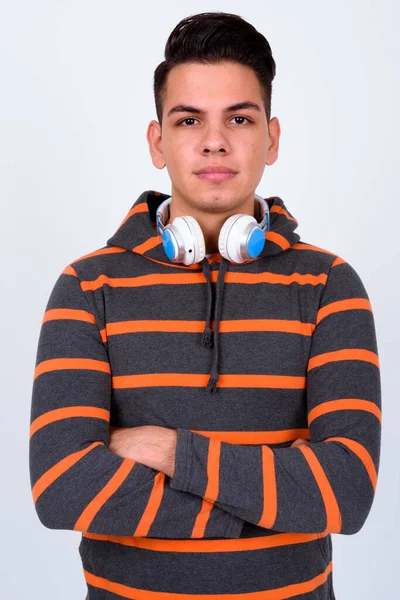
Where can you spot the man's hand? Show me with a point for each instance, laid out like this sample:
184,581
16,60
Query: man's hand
150,445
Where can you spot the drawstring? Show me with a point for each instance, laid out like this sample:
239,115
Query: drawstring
207,337
210,339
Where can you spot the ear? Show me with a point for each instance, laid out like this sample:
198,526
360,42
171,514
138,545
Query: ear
274,135
153,137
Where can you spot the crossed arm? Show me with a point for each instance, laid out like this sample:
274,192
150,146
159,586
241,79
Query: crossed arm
152,446
159,482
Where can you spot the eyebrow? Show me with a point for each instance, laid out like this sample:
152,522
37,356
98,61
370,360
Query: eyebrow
197,111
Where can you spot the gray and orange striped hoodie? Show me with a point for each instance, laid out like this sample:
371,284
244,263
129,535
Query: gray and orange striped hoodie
241,359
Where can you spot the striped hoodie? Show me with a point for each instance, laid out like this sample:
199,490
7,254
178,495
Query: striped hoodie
241,359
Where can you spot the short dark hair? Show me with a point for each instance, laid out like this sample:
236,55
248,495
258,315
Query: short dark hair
213,37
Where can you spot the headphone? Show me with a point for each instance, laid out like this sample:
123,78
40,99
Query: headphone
240,240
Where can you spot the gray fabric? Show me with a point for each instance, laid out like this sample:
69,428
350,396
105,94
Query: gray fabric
290,358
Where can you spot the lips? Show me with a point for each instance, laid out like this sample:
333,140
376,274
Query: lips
216,173
216,176
215,169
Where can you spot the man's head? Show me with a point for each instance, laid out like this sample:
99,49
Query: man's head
213,103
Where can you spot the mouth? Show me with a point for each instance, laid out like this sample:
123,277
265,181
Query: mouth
213,176
216,173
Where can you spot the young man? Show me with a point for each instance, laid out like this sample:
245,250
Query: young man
206,405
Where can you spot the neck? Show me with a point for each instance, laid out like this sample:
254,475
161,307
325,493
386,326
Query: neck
211,221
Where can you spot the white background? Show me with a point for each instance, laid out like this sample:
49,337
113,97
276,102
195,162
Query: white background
75,101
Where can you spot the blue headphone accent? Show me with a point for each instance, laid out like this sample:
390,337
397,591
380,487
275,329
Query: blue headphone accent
241,238
168,244
256,242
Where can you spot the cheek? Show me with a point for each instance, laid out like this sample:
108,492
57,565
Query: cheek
260,152
254,155
182,157
178,150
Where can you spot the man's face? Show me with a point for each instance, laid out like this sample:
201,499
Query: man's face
198,131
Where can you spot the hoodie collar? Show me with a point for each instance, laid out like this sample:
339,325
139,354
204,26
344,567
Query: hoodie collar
138,233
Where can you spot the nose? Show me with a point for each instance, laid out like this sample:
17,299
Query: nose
214,140
206,150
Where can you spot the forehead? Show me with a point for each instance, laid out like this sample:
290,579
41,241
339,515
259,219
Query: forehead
212,83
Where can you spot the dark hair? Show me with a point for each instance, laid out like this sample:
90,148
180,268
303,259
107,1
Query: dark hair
213,37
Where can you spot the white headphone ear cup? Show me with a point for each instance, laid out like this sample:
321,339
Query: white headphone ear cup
223,234
193,238
200,245
232,233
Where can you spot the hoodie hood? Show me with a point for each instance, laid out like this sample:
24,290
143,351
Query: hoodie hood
138,233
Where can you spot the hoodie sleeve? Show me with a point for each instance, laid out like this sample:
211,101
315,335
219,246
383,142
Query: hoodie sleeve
329,485
77,482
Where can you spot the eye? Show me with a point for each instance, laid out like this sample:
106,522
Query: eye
187,119
240,117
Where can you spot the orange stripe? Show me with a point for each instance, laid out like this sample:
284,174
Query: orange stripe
280,210
152,507
362,454
338,261
280,325
68,313
70,271
345,354
58,469
211,493
213,465
201,380
108,250
202,519
66,413
287,591
263,542
256,437
344,404
342,305
217,257
139,208
266,277
198,278
101,498
149,244
277,239
270,496
56,364
302,246
333,516
246,325
195,267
